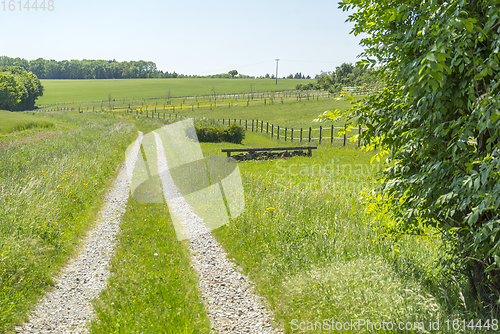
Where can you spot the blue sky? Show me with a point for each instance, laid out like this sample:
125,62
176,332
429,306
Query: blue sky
186,36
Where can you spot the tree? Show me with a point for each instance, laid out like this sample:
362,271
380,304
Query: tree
18,89
440,114
10,95
233,73
37,67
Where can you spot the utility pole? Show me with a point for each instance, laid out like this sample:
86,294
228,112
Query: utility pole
277,60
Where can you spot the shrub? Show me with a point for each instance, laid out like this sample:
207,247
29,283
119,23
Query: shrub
234,134
211,134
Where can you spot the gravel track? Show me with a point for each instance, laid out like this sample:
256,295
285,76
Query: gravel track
232,305
67,308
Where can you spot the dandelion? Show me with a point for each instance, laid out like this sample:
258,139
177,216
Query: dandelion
269,210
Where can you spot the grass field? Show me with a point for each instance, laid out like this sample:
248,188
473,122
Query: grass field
63,91
15,121
292,115
304,238
306,241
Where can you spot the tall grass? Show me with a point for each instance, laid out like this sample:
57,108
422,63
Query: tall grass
313,251
49,192
16,121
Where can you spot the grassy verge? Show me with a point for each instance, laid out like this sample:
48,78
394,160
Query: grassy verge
17,121
306,241
153,289
51,190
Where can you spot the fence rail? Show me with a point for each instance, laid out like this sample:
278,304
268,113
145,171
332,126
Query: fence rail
321,134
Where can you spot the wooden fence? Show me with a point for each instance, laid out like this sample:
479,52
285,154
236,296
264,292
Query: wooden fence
321,134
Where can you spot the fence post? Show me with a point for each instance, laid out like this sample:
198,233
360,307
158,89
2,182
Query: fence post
267,128
359,135
261,126
309,134
278,132
272,130
229,122
320,131
291,136
246,124
252,125
345,133
301,135
285,132
331,140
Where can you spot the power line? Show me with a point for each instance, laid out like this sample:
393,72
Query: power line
314,61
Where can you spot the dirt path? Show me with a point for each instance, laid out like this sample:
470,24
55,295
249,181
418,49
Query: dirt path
67,308
35,137
232,305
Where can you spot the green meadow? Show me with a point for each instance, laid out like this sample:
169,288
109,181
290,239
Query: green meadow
305,238
15,121
65,91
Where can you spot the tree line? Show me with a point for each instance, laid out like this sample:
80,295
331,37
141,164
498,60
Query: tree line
112,69
345,75
18,88
88,69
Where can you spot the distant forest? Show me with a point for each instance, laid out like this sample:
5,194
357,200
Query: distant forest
110,69
88,69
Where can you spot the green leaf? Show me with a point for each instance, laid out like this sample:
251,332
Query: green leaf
431,57
490,267
434,84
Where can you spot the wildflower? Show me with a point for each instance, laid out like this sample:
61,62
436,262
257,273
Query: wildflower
269,210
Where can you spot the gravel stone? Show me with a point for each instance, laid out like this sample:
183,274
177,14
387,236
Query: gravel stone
67,308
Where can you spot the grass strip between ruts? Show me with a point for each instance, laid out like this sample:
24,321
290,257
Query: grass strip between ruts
153,288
